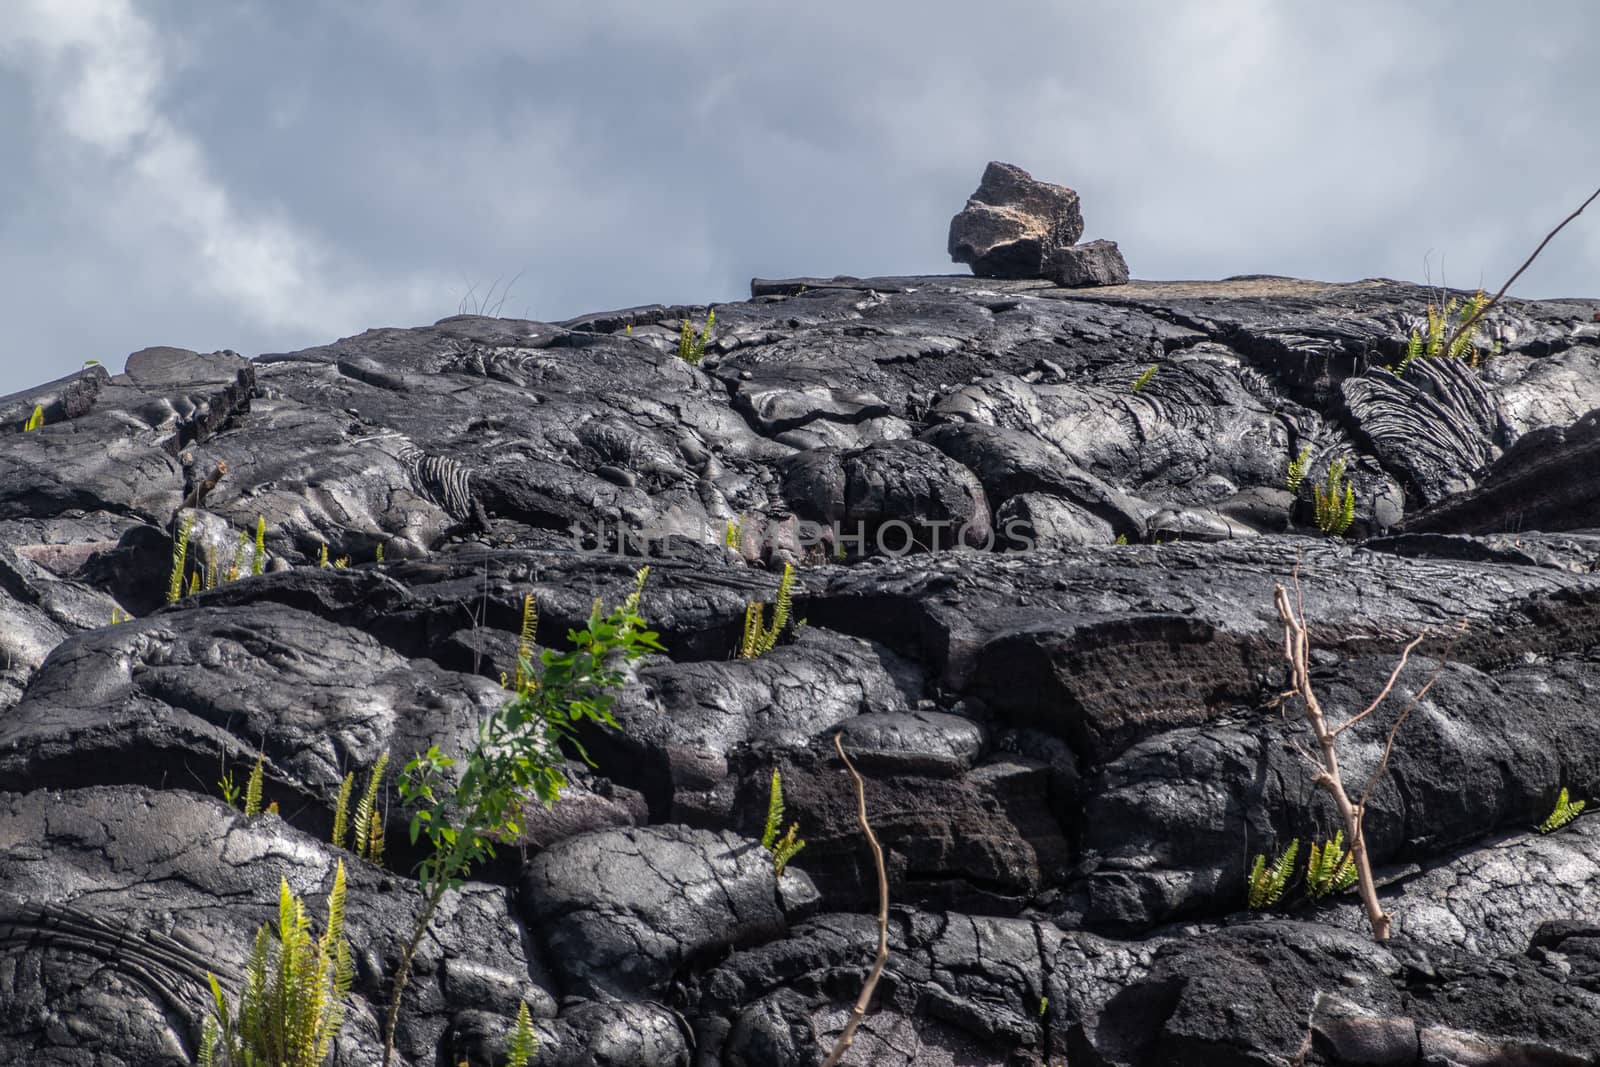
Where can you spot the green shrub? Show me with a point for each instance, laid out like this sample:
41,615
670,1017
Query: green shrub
518,753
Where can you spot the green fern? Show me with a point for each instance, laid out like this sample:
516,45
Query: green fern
525,647
180,558
292,1003
258,559
1297,469
692,346
380,554
35,420
1144,379
524,1043
783,848
1267,882
760,639
1336,502
1441,321
1330,868
367,810
341,810
322,557
252,787
1565,812
238,555
733,533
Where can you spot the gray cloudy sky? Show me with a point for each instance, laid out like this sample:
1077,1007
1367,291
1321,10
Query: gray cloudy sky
269,175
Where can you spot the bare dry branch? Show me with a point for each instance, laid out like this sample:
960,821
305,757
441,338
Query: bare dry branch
1472,319
860,1010
1387,686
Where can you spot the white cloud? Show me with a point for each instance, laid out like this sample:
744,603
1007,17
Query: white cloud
98,70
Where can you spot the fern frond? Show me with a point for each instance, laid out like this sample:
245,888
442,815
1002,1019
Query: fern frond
366,807
1267,882
774,811
380,555
1144,379
238,556
375,840
341,810
753,627
1413,351
1330,868
1565,812
523,1041
525,644
733,533
258,559
1297,469
180,558
252,787
35,420
785,849
780,613
322,557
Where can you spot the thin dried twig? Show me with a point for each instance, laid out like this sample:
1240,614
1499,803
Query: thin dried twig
1387,686
1472,319
860,1010
1411,705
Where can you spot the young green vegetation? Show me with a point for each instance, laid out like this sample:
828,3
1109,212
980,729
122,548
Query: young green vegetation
292,1003
1565,812
783,848
692,346
1451,333
525,646
1330,869
523,1041
118,615
380,555
258,558
238,555
1267,882
758,637
1144,379
180,558
733,533
322,557
1336,501
368,843
1297,469
369,822
35,420
518,753
252,787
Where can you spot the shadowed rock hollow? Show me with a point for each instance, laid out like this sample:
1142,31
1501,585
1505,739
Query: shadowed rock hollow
1038,606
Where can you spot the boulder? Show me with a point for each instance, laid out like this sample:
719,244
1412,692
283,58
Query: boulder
1013,223
1091,263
